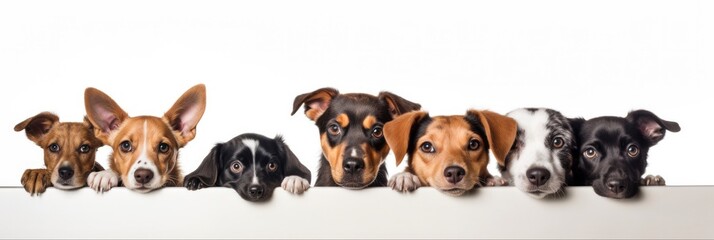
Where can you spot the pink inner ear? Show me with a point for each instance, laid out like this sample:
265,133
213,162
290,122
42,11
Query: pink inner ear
319,105
651,130
188,119
107,120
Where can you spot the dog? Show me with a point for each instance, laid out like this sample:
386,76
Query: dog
449,153
351,134
145,148
613,152
70,149
540,161
253,165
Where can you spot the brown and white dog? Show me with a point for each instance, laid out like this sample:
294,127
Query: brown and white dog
70,148
449,153
145,148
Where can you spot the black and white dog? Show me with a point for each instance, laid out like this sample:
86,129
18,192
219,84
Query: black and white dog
540,160
253,165
613,152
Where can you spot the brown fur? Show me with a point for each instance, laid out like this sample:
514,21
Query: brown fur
45,129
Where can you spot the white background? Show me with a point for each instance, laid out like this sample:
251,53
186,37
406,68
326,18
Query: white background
583,58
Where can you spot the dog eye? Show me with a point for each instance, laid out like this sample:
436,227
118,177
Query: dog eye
333,129
633,151
236,167
272,167
54,147
377,132
427,147
84,148
474,144
163,147
558,142
125,146
590,153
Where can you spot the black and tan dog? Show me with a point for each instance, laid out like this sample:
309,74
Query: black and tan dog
613,152
69,147
351,126
449,153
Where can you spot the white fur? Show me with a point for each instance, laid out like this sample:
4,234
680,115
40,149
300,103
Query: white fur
534,153
404,182
103,181
353,153
295,184
252,144
144,162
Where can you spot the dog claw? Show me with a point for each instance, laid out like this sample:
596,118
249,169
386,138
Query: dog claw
295,184
652,180
496,181
102,181
404,182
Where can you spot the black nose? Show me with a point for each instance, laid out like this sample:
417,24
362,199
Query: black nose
353,165
66,173
143,175
616,186
255,191
454,174
538,175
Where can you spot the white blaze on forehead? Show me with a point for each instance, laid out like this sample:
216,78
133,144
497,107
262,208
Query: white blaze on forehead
252,144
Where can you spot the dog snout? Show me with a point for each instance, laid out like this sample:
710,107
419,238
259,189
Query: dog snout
143,175
353,165
454,174
256,191
538,176
65,173
617,186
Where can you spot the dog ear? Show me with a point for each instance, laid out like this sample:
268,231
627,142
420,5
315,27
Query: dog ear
316,102
207,171
398,105
293,166
94,140
38,126
105,115
398,131
652,127
576,124
500,131
184,115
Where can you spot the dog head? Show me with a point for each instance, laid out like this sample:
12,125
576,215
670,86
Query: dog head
145,147
351,131
450,153
69,148
613,151
252,164
541,158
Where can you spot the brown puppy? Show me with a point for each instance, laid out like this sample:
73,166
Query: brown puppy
350,125
449,153
145,155
69,149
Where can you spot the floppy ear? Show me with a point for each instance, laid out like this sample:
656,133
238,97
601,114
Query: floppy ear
95,141
398,105
652,127
184,115
500,130
398,131
207,172
105,115
316,102
293,166
38,126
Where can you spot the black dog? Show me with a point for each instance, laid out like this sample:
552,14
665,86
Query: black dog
253,165
353,145
613,152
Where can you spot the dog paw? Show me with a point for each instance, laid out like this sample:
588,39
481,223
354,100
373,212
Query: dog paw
193,184
295,184
35,181
102,181
404,182
651,180
496,182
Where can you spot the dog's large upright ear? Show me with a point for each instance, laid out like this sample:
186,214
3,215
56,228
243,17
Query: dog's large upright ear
652,127
293,166
398,105
207,171
316,102
500,130
184,115
398,131
38,126
105,115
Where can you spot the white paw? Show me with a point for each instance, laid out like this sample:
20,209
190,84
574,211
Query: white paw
404,182
295,185
496,181
103,181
